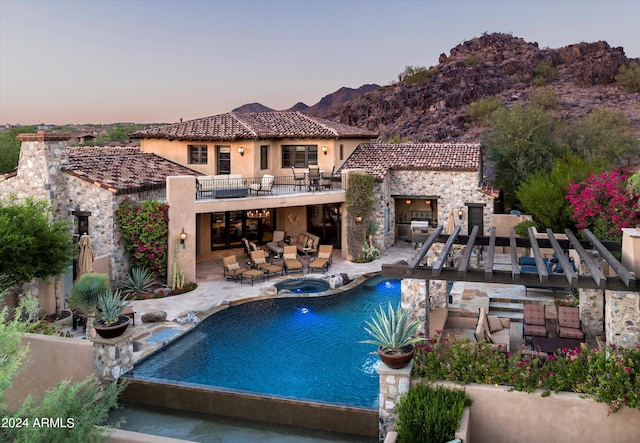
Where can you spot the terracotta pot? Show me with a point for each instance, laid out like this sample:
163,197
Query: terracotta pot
114,330
397,360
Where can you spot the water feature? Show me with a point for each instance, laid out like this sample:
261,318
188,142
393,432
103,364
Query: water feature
303,285
302,348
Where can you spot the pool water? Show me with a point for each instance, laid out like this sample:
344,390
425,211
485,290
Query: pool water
300,348
303,285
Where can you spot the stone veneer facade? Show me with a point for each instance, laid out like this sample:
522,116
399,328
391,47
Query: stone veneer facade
622,318
394,383
453,189
40,174
112,357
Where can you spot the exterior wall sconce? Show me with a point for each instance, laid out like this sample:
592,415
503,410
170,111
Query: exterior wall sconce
428,202
324,150
241,151
358,218
460,213
183,238
408,202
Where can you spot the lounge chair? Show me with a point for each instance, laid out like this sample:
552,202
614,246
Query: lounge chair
277,243
535,321
260,260
265,184
323,261
232,269
290,260
569,323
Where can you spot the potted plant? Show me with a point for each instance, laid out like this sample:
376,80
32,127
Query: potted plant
394,334
110,321
84,295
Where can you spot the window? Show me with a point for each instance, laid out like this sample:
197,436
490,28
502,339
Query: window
341,152
264,157
299,156
223,159
197,154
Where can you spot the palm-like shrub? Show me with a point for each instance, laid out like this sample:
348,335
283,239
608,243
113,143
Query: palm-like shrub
85,293
138,281
111,305
392,330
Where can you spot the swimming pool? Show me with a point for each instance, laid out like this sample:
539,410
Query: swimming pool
302,348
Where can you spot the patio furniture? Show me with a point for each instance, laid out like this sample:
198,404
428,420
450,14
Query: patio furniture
251,274
323,261
326,182
551,344
314,178
299,179
534,323
290,260
221,186
232,269
276,245
569,323
306,240
493,330
260,261
265,184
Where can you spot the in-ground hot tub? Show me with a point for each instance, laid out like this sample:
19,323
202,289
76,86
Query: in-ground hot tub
303,285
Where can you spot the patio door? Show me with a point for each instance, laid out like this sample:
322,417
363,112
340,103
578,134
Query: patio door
476,217
223,160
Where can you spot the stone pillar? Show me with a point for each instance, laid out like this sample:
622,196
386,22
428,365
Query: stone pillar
415,298
622,318
112,357
592,310
393,384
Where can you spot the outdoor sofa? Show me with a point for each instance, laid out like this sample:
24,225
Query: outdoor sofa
494,330
221,186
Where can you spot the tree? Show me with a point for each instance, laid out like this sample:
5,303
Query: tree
31,246
10,148
543,194
604,135
604,204
83,406
520,142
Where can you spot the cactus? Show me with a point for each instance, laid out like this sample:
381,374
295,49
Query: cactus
178,275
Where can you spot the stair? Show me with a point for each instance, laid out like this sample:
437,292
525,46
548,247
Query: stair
506,308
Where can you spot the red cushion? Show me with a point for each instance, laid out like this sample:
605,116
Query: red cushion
535,330
571,333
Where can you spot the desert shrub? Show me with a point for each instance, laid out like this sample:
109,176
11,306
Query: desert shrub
546,99
138,281
522,228
483,108
430,414
472,60
629,77
415,74
544,73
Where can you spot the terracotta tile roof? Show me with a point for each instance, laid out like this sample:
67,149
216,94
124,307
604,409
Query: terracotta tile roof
254,126
379,158
122,170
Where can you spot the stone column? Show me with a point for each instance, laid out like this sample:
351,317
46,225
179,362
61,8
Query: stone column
415,298
592,310
622,318
112,357
393,384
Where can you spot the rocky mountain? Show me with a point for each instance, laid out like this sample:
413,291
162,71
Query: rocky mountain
491,65
299,107
253,107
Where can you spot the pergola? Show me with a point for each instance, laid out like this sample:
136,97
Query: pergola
624,280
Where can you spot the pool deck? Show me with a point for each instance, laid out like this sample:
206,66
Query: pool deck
215,292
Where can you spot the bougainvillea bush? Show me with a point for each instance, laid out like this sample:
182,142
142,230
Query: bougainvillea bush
605,204
145,230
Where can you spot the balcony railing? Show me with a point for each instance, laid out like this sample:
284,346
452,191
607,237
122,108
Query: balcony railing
216,187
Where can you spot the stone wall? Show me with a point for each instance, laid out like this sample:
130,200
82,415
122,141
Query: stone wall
622,318
592,310
393,384
113,357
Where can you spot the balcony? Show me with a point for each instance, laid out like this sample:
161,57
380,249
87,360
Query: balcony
236,186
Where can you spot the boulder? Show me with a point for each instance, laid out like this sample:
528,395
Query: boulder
154,317
189,317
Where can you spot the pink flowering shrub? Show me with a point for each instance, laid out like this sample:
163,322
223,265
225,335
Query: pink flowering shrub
605,204
145,231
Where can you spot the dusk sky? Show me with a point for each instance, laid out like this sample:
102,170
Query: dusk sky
159,61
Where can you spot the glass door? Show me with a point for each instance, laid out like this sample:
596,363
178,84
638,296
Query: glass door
223,160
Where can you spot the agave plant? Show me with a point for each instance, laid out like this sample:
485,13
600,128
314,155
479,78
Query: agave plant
139,281
111,305
86,292
392,330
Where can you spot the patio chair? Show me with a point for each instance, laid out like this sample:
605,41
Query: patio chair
323,261
326,182
277,243
265,184
260,260
569,323
298,179
314,178
290,260
232,269
534,323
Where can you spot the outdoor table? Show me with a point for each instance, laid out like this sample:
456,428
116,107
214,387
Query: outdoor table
551,345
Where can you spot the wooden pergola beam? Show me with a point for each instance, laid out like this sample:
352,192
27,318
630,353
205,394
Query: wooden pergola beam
596,274
491,252
622,272
543,274
567,267
515,266
466,255
442,259
417,259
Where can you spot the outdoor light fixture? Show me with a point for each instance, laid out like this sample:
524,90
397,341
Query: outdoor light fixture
358,218
259,213
324,150
183,237
460,213
241,150
408,202
428,202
